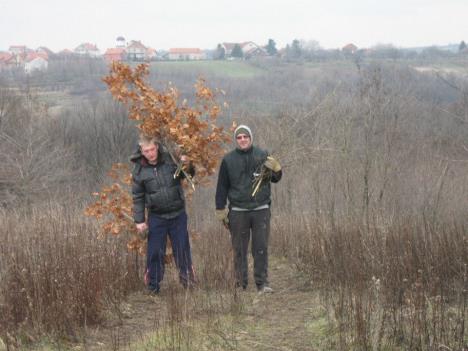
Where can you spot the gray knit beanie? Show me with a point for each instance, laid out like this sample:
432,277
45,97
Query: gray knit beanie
243,129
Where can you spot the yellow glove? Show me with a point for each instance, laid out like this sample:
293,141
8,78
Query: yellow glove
272,164
222,216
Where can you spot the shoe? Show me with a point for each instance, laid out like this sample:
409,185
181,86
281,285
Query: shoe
243,285
153,291
265,290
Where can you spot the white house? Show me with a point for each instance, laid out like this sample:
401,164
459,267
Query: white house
120,42
35,63
249,49
186,54
87,49
228,48
18,49
136,51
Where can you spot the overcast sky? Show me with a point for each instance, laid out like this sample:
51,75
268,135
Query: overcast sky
60,24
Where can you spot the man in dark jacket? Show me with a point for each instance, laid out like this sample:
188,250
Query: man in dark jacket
249,207
157,189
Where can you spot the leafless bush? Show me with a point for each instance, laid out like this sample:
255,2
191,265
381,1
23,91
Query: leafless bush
56,274
34,162
375,211
101,134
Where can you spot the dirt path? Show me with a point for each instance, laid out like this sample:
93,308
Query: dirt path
288,319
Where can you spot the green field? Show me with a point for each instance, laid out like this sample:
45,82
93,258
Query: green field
232,69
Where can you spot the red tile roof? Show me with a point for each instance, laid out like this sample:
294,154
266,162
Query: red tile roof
5,56
136,44
87,46
350,47
115,51
34,55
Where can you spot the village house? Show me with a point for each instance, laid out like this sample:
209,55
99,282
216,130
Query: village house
249,49
228,48
7,60
18,49
349,49
136,51
87,49
19,53
186,54
115,54
151,54
35,62
120,42
45,50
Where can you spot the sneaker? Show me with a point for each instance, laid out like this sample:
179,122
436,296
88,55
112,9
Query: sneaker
265,290
153,291
243,285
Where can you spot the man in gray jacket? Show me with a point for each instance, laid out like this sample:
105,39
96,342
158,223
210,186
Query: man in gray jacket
249,207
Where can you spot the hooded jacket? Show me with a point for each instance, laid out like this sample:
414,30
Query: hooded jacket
155,188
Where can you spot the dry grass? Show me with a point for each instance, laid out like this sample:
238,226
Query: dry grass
371,211
57,276
402,286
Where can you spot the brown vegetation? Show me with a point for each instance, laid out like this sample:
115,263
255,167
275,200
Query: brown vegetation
371,210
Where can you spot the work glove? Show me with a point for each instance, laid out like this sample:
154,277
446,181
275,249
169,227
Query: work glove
272,164
222,216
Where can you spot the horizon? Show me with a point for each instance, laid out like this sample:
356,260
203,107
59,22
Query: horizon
365,23
102,50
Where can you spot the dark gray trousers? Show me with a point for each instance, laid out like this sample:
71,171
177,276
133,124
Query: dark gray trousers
242,225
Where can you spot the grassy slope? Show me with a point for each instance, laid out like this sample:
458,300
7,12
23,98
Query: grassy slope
232,69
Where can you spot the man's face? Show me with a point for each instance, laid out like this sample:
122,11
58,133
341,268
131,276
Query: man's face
150,151
243,141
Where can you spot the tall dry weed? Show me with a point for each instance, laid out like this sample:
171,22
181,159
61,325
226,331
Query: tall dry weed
57,276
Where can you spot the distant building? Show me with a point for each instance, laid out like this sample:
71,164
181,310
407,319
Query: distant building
186,54
120,42
35,62
115,54
249,49
228,48
18,49
46,51
87,49
7,60
151,54
349,49
136,51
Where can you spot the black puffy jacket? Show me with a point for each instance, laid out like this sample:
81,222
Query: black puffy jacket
155,188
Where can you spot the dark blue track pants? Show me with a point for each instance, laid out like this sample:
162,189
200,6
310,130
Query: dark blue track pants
159,229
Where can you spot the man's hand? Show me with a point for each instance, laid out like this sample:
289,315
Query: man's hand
222,216
184,159
142,230
141,227
272,164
